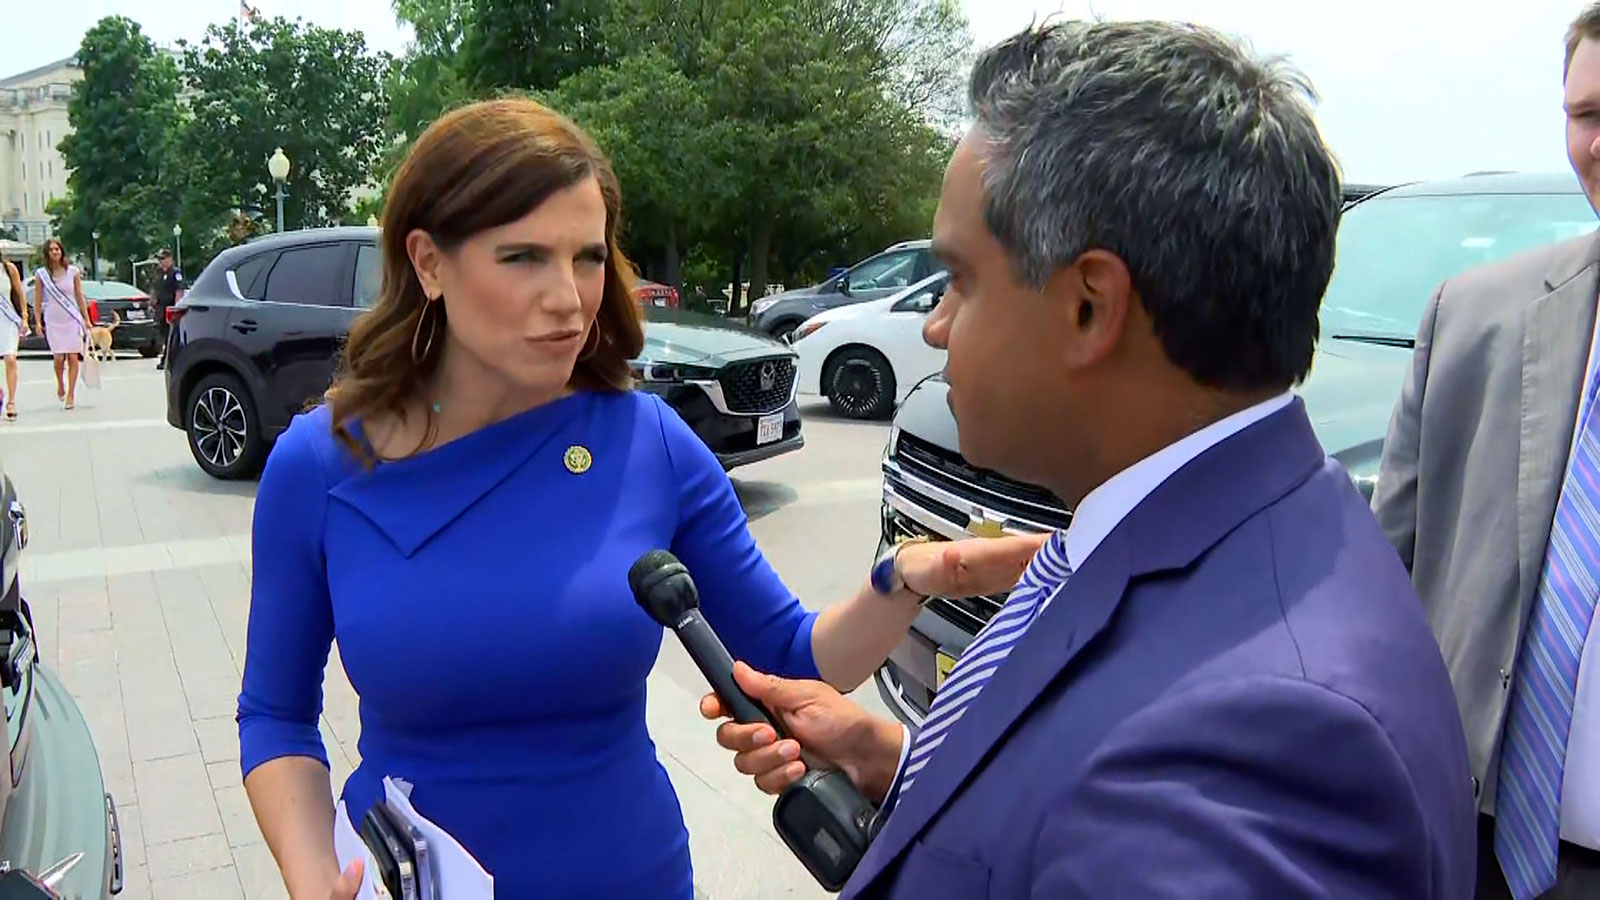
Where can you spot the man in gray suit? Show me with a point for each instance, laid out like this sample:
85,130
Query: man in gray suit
1490,490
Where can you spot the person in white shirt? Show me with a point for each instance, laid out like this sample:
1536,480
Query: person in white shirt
1488,489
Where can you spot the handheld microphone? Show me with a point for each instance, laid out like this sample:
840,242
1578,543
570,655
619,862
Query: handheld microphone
825,821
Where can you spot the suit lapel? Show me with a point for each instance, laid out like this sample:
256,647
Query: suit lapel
1558,330
1169,530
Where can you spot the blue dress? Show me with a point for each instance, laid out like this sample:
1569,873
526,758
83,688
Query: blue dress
479,596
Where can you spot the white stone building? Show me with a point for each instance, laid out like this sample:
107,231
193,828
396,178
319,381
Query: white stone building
33,120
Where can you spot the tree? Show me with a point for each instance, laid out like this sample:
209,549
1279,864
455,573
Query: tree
531,44
316,92
815,144
123,168
654,124
429,79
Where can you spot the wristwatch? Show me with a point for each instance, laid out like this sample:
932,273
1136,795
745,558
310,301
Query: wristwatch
885,576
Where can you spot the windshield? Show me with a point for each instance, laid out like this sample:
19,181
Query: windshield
1394,251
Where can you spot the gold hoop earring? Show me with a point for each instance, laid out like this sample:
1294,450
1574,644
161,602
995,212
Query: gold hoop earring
589,351
427,316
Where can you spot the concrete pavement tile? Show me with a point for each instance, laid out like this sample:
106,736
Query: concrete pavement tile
104,715
219,738
216,884
238,819
228,587
131,820
734,860
223,775
160,732
211,697
85,604
175,799
135,883
209,551
178,858
258,872
87,662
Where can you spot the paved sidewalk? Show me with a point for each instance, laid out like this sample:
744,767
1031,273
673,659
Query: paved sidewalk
138,573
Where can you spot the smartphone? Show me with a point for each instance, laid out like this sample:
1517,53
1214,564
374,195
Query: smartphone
392,852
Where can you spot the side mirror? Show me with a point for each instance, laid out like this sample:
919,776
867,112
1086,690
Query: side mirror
843,285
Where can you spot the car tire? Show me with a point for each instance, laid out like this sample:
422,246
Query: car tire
784,331
149,351
859,383
223,428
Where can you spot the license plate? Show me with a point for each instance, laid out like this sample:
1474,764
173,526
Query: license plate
136,315
943,663
769,428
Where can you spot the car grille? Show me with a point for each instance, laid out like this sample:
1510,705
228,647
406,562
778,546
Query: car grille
758,387
1024,503
970,613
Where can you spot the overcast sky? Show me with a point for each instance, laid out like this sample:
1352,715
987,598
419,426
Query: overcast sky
1410,88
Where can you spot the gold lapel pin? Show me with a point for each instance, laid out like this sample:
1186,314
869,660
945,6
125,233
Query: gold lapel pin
578,459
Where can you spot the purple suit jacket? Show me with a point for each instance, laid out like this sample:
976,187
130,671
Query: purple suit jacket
1236,696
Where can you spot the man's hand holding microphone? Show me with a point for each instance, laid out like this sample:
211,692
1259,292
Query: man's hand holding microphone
824,722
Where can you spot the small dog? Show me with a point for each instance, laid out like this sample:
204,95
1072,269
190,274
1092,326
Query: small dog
100,339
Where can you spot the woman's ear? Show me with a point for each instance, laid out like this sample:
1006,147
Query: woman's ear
426,260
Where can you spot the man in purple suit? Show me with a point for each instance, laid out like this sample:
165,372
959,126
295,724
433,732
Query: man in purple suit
1217,682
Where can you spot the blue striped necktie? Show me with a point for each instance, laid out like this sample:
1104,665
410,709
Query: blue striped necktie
1048,571
1527,832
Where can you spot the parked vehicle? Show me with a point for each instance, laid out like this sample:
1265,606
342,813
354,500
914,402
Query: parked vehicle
111,303
1395,247
878,276
652,294
259,333
865,358
57,822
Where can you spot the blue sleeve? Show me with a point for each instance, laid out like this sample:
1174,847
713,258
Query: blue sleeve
1254,788
756,615
291,616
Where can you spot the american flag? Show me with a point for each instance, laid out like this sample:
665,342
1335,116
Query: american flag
248,13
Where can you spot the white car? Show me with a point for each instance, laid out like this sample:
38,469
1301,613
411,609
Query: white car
866,357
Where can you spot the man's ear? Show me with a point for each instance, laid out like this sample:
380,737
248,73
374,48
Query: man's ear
1097,289
426,260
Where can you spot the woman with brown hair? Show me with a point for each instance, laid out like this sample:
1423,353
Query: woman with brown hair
461,516
13,328
59,306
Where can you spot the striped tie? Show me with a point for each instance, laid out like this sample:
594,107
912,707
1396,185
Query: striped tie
1528,806
982,658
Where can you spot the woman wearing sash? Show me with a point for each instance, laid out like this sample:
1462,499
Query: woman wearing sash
58,302
13,327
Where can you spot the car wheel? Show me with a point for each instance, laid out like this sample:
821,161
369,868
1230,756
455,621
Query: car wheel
784,331
149,351
223,429
859,384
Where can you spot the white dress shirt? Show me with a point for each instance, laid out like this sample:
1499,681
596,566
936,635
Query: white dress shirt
1106,506
1580,783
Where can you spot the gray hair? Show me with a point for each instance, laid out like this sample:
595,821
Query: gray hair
1198,165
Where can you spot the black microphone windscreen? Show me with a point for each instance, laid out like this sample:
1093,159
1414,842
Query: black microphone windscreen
647,565
662,586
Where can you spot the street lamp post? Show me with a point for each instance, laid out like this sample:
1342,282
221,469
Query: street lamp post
96,236
278,168
177,236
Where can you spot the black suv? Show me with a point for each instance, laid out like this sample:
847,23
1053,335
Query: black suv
258,336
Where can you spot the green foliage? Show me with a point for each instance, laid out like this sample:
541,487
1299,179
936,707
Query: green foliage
530,44
316,92
793,135
124,179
